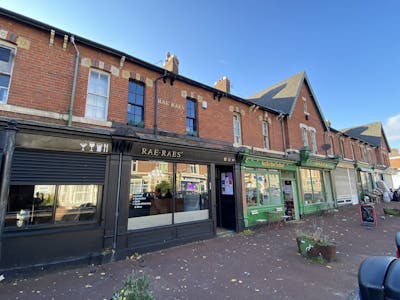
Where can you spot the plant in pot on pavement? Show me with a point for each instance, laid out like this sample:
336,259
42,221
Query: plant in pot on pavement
135,287
315,245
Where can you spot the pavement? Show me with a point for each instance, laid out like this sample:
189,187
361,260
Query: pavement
258,264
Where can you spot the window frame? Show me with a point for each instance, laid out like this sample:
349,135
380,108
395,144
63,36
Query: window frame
192,130
134,103
237,126
105,97
265,131
55,206
13,53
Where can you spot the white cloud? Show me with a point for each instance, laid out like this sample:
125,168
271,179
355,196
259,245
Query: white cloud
392,128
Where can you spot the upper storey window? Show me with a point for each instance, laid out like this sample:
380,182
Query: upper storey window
98,95
135,104
191,117
237,130
265,134
6,65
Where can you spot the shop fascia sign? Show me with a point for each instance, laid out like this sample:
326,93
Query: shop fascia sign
262,163
318,164
35,141
160,152
173,153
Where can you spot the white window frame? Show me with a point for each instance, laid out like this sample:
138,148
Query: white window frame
98,96
265,132
9,71
313,140
237,129
304,135
305,106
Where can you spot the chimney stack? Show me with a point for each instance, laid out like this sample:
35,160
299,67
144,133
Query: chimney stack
171,63
223,85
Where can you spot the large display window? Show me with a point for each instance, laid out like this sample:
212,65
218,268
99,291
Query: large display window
312,186
263,188
164,193
40,205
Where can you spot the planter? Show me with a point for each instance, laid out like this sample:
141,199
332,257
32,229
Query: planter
313,249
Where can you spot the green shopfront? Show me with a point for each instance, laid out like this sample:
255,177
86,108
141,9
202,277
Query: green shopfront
269,188
316,189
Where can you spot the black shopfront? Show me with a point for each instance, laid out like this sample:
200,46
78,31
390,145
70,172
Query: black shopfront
55,185
170,193
81,195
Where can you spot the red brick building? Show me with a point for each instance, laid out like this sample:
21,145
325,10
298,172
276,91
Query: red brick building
104,154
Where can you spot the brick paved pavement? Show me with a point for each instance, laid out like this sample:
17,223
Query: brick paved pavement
261,265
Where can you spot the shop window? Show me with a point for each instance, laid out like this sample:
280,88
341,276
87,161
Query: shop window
191,202
97,95
312,185
6,66
252,195
237,130
191,117
265,134
135,103
263,189
35,205
155,200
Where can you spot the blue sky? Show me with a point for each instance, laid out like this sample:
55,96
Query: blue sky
350,50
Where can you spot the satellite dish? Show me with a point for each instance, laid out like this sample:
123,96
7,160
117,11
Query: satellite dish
326,147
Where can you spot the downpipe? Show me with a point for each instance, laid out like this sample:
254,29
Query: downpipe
71,105
117,208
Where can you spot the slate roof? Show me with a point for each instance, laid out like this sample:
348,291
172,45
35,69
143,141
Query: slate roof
370,133
283,95
280,96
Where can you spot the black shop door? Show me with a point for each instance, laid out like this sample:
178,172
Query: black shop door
226,212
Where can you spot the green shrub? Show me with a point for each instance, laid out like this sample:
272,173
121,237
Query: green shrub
135,287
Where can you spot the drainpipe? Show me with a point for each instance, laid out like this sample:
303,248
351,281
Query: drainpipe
117,202
156,100
8,153
71,106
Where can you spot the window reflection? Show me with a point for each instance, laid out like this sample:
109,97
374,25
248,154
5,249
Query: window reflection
153,200
263,188
30,205
312,186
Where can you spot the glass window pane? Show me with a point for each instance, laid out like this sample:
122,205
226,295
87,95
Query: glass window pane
251,188
151,195
307,186
4,80
191,202
5,54
30,205
317,186
3,94
76,203
275,189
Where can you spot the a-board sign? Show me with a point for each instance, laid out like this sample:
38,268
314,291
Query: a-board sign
368,214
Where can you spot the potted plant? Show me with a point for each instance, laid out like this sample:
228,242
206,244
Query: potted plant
315,245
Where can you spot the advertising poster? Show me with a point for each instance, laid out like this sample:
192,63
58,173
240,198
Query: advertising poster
227,183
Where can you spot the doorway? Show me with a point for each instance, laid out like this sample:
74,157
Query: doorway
289,197
225,198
